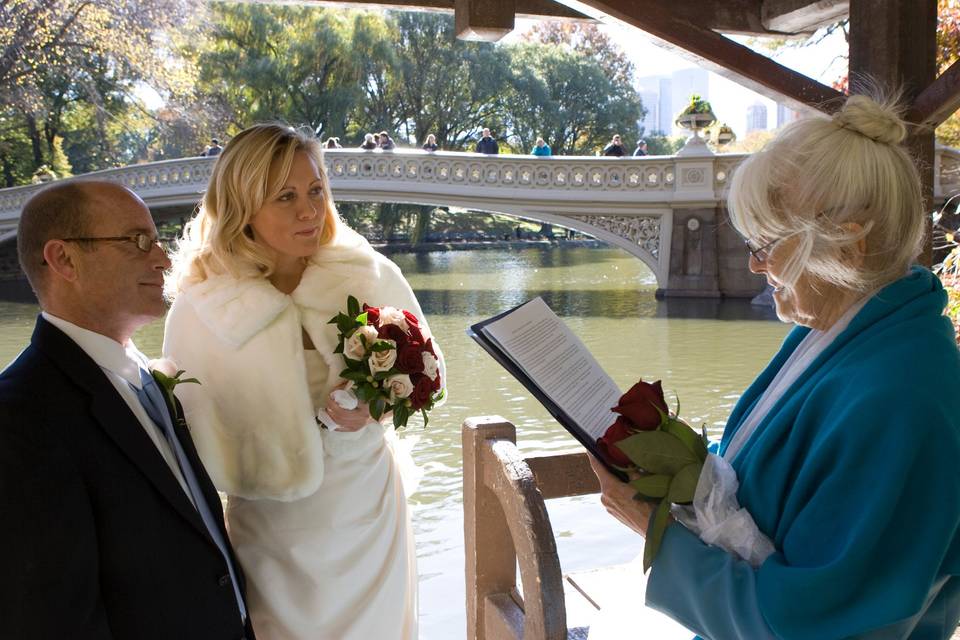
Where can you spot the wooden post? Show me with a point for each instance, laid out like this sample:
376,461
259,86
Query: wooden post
486,20
491,564
893,42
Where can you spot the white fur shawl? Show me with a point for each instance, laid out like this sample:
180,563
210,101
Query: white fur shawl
251,417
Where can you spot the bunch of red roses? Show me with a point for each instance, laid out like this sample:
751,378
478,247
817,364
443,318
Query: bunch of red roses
662,453
391,363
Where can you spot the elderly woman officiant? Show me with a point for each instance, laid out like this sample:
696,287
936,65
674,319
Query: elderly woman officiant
847,445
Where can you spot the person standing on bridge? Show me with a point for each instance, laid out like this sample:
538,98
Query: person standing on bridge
615,147
487,144
318,516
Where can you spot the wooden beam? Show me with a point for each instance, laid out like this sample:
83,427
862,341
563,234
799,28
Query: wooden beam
940,100
713,51
893,44
726,16
483,20
802,16
536,9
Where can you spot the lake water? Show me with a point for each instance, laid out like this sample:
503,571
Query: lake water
706,352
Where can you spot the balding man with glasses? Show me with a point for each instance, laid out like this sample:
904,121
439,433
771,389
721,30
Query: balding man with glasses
112,528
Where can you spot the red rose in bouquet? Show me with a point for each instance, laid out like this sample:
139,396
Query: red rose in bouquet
391,366
662,453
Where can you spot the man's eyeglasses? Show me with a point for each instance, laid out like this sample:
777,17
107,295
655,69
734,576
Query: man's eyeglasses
142,241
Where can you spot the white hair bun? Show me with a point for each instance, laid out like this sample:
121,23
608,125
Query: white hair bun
879,121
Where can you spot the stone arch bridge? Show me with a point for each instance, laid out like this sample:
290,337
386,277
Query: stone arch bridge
668,211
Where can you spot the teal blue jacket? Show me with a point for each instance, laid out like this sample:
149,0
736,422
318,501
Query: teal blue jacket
855,476
541,151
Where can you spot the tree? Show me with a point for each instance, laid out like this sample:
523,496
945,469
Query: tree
59,58
280,63
442,85
588,40
567,99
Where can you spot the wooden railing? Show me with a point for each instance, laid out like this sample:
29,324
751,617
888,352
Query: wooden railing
506,524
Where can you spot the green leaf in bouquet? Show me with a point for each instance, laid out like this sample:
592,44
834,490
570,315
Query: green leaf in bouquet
687,436
684,484
362,318
659,520
353,307
654,485
657,452
339,348
382,345
354,376
366,392
383,375
401,413
423,412
345,324
377,407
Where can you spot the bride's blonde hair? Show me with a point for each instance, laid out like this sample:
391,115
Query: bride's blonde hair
218,240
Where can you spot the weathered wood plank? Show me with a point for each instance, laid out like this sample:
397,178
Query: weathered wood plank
893,44
940,100
483,20
503,619
564,474
510,478
802,16
491,563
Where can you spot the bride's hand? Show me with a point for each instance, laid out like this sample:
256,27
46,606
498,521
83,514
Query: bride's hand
351,419
348,419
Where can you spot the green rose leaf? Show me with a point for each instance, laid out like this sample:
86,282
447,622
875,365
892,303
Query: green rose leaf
651,486
401,413
365,392
659,520
683,486
657,452
353,307
382,346
687,436
423,412
377,407
362,318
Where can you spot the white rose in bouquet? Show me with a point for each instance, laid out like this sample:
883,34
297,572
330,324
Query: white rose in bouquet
399,386
392,315
430,365
354,347
383,360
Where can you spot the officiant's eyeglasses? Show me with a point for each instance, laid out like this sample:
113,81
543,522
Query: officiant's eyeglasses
762,253
142,241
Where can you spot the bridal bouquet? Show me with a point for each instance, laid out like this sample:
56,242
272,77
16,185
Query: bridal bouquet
390,364
665,453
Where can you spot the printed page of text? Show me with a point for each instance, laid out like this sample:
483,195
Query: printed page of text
543,346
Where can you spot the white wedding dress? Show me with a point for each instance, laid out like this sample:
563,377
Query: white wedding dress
339,564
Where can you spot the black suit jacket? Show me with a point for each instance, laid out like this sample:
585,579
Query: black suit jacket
98,538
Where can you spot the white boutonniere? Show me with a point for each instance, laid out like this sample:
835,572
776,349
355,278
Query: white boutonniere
168,376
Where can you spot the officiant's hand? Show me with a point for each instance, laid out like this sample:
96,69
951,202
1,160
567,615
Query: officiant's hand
617,497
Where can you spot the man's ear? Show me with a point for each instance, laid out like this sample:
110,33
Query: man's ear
61,260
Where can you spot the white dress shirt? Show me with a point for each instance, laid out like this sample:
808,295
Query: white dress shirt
121,364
